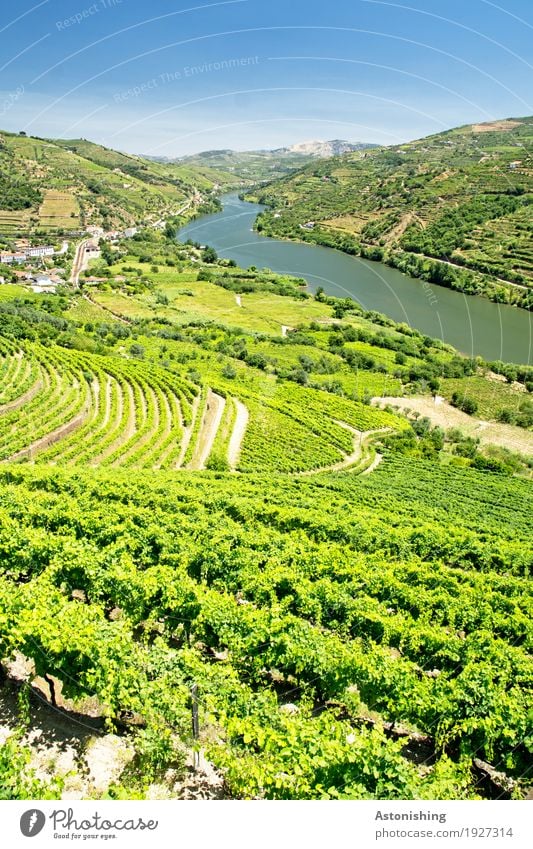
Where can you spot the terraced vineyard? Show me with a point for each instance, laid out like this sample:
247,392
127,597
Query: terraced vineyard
68,408
87,409
61,186
185,500
350,637
453,208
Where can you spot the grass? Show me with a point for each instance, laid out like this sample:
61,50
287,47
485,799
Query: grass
8,291
491,396
190,299
59,210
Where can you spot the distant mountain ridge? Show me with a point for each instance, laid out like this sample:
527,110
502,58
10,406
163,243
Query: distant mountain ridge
334,147
256,166
454,208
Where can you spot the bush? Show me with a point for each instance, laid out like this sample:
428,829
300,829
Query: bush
462,402
209,255
137,351
229,372
505,415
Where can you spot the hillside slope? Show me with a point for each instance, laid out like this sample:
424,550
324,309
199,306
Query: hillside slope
454,208
194,489
255,166
55,186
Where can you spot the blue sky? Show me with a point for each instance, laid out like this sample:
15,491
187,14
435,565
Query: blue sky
172,78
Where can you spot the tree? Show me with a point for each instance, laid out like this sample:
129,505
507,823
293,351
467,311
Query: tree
467,405
137,351
209,255
229,372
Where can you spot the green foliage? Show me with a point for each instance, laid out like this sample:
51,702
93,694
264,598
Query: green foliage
321,615
467,405
330,592
18,779
17,192
458,197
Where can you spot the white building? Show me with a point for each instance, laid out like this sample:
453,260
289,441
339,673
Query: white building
41,284
95,231
40,251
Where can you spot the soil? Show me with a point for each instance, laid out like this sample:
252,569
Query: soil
208,429
237,435
440,413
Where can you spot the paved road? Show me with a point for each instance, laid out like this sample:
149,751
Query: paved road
80,262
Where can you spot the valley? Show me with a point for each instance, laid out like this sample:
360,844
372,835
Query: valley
216,479
453,209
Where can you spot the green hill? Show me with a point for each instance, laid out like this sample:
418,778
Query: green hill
454,208
55,186
256,166
196,490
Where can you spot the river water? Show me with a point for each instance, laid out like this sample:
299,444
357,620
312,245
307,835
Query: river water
475,326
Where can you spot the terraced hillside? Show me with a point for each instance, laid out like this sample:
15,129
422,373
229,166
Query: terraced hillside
71,408
197,487
62,186
454,208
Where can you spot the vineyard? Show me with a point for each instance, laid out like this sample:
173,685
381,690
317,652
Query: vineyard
67,408
350,637
453,208
192,500
58,185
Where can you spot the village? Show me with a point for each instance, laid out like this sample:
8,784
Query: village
35,267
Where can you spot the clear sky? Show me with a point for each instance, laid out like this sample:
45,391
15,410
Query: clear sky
171,77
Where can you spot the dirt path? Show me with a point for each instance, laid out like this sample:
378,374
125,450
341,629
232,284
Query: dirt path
115,315
175,415
373,465
166,417
361,438
74,744
400,228
59,433
237,436
23,399
440,413
208,430
114,425
107,413
131,426
187,431
456,264
149,434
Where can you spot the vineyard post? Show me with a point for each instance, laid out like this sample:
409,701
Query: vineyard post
195,723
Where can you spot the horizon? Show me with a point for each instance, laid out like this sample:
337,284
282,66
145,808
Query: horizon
236,75
288,145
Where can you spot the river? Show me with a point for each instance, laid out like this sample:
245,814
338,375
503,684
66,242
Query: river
473,325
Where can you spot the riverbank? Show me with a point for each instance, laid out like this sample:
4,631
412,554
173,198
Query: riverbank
474,326
440,272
